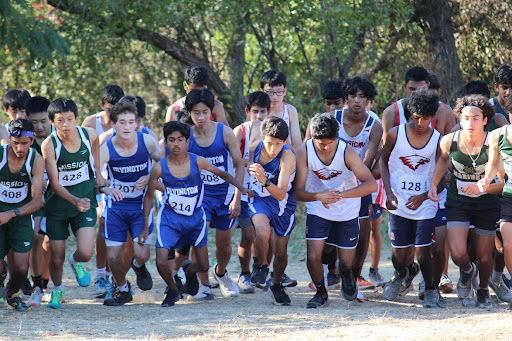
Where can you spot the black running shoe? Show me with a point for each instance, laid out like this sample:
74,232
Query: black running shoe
120,297
407,284
192,281
144,280
182,289
348,285
259,274
27,288
319,300
276,291
171,297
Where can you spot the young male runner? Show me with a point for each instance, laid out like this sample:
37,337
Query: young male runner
196,77
128,157
256,109
503,86
100,122
467,151
407,165
21,188
13,103
36,109
216,142
71,156
328,171
274,84
182,221
272,174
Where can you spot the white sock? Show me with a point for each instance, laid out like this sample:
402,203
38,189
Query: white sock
72,258
326,271
134,262
496,276
60,287
101,272
108,274
123,287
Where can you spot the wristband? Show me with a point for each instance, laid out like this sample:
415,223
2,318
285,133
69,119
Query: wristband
267,183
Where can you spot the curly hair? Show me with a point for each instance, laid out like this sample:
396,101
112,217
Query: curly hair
423,102
479,101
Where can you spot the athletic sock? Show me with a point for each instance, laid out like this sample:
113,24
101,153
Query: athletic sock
72,259
320,288
101,272
135,264
38,282
470,269
496,276
326,271
108,274
246,273
44,282
123,287
60,287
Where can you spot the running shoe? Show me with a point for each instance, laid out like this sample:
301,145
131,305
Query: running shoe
360,297
228,288
100,287
445,285
392,288
319,300
483,299
431,299
111,291
27,288
333,281
442,300
56,299
182,289
204,293
259,274
464,285
407,285
507,281
421,289
501,290
82,275
144,280
278,294
244,284
287,282
192,281
349,287
363,283
36,298
2,287
47,295
375,277
171,297
119,298
17,302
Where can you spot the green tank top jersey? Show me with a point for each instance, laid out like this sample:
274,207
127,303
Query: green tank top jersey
37,147
492,125
15,189
76,174
505,149
464,173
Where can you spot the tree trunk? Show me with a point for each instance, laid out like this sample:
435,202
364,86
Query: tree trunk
236,74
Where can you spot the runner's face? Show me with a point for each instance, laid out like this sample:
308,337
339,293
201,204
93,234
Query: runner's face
421,123
504,90
42,125
106,108
272,145
412,86
276,93
325,145
64,122
177,143
333,104
126,125
200,114
357,102
16,113
472,121
257,113
20,145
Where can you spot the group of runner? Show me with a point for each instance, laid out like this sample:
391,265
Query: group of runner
443,184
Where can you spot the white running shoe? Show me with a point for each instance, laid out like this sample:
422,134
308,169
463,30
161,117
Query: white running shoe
360,296
244,284
203,294
36,297
228,288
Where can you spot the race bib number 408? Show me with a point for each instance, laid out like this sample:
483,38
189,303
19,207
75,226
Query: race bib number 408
13,195
74,177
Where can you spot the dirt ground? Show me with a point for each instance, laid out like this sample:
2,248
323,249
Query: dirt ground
253,316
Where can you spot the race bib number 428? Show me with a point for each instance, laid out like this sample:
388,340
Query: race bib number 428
74,177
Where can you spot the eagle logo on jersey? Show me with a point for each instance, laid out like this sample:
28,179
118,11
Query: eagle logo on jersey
326,174
414,161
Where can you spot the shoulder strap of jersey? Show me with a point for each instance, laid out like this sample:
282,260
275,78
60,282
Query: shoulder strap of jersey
84,135
397,114
338,115
455,140
29,162
242,145
4,156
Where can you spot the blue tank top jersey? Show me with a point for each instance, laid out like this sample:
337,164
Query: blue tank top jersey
123,172
272,173
144,130
217,153
183,196
167,152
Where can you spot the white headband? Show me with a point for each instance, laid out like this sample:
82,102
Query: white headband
472,106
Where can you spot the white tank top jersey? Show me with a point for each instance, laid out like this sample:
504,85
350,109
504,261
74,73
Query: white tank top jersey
336,175
411,171
180,104
359,142
246,130
99,127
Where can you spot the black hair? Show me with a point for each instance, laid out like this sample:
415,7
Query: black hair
20,124
274,127
273,78
15,99
423,102
435,84
479,101
173,126
125,105
323,126
503,75
475,88
416,74
259,98
182,116
61,105
36,104
138,102
111,94
353,84
197,75
197,96
508,105
333,90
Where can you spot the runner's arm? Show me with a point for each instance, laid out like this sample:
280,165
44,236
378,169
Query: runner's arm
367,185
202,163
295,137
441,166
373,145
156,173
391,200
